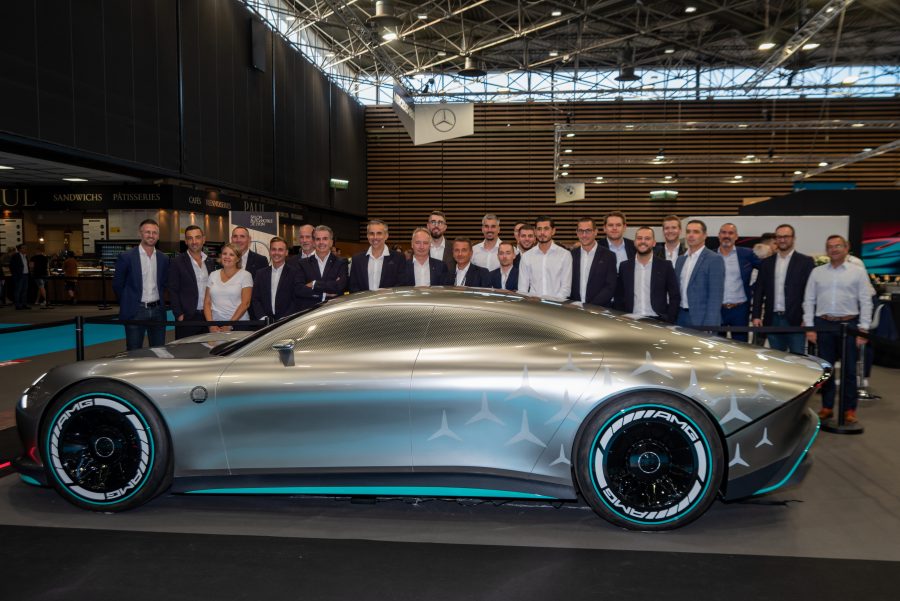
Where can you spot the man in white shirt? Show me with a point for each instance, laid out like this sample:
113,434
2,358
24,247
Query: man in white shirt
838,293
672,246
423,270
440,249
701,276
593,267
546,269
614,228
484,254
778,293
506,277
140,281
275,287
525,240
739,265
466,273
188,274
647,285
377,267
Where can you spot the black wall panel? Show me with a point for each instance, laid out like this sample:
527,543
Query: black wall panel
170,86
18,75
54,61
88,76
348,151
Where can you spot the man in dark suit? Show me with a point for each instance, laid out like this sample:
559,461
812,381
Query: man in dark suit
701,276
18,268
778,294
614,228
423,269
377,267
250,261
466,273
188,274
593,268
672,245
275,287
440,249
325,275
739,265
506,277
140,281
647,285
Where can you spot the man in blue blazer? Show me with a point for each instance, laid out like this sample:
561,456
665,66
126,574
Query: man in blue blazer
593,268
506,277
739,265
287,279
660,296
423,269
779,290
325,275
377,259
467,273
188,274
138,302
701,276
614,229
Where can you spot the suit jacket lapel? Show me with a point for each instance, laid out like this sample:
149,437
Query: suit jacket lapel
699,262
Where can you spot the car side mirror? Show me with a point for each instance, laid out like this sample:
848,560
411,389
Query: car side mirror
285,350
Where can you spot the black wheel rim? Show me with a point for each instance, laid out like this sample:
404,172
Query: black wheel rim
99,449
651,465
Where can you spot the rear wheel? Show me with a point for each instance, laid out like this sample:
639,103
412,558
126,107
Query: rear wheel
105,447
650,461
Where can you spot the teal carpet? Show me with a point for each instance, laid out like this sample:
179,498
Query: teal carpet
60,338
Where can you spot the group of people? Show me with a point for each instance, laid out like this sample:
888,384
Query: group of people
25,269
678,279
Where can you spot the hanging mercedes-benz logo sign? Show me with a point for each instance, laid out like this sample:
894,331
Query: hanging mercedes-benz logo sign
443,120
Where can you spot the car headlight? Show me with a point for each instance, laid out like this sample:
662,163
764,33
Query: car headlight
23,402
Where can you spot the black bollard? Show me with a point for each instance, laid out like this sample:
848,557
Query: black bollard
79,338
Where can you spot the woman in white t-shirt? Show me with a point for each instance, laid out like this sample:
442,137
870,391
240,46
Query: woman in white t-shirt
228,291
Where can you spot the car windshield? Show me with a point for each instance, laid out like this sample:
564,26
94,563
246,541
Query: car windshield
226,349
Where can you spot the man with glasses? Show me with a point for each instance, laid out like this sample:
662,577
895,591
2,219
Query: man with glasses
837,293
778,294
440,250
593,268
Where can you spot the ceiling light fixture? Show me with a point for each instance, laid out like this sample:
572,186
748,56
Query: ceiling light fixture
6,167
565,165
867,150
389,35
798,172
626,73
570,135
850,80
384,15
669,51
568,150
422,16
690,9
858,125
823,164
738,177
472,69
556,13
766,45
564,173
809,46
74,179
554,53
441,53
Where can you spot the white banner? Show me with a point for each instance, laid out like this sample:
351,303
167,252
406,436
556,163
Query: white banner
436,122
569,192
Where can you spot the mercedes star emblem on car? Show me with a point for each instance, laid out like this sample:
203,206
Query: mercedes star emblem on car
443,120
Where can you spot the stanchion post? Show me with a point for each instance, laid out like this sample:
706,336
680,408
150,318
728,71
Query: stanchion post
103,306
79,338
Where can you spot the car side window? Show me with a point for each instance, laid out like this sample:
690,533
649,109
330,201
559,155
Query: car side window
368,329
489,328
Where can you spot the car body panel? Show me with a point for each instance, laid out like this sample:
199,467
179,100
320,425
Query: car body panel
461,384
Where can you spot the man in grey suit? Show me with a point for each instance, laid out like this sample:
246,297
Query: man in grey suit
701,277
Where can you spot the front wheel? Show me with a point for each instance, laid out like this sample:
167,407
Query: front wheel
649,461
105,447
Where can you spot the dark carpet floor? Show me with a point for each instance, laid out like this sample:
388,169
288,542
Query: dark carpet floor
61,563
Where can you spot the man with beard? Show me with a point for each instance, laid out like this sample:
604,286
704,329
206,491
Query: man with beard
465,272
307,245
484,254
778,295
250,261
188,275
546,269
647,286
739,265
593,268
440,250
526,240
275,287
423,269
701,277
506,277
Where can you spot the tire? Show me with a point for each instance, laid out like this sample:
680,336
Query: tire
105,447
649,461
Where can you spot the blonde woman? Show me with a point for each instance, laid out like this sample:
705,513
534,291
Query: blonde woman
228,290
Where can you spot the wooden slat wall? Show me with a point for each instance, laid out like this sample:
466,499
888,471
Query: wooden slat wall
506,167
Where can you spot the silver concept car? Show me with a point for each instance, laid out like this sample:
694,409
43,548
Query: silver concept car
431,392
